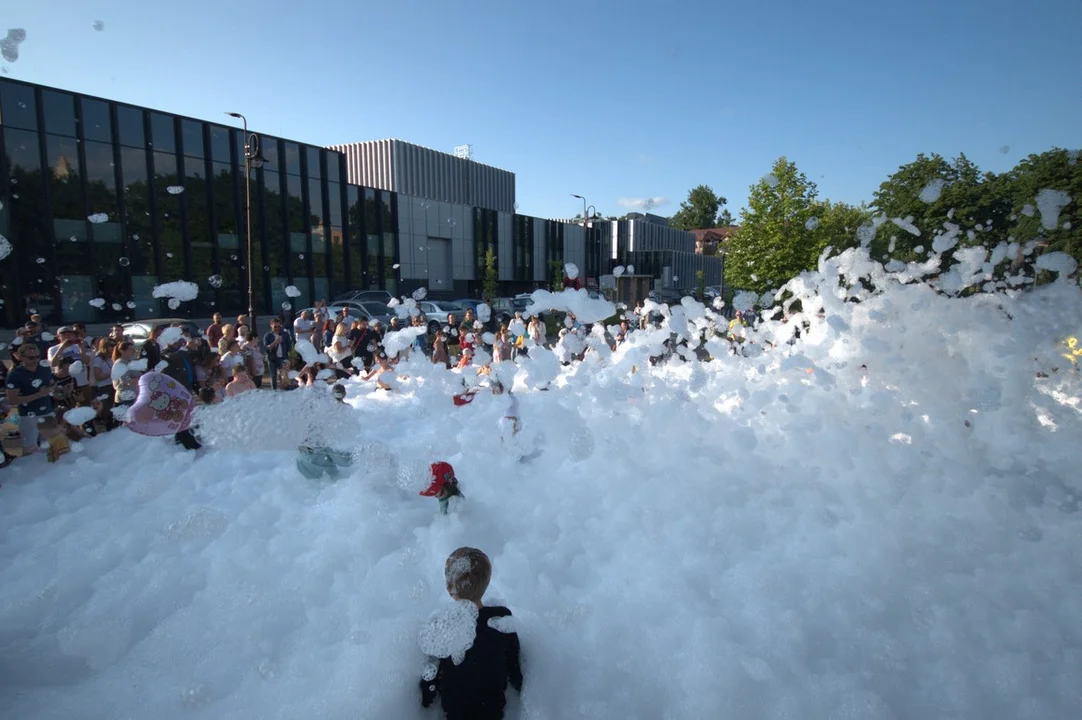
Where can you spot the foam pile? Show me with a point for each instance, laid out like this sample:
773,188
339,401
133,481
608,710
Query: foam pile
878,521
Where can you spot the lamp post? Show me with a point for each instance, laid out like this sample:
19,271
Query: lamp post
253,157
584,208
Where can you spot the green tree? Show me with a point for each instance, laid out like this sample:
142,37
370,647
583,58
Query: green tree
491,281
932,195
700,210
1054,170
556,270
775,241
725,218
700,285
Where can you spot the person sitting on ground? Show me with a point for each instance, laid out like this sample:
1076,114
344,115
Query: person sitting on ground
475,686
241,382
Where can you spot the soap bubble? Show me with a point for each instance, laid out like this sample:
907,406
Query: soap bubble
292,291
300,256
99,25
173,303
215,281
287,306
571,270
618,271
812,223
232,257
124,262
99,303
5,247
630,270
169,255
117,307
175,190
420,294
131,304
41,261
771,180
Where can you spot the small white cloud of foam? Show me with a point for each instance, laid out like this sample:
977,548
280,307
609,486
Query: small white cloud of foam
642,203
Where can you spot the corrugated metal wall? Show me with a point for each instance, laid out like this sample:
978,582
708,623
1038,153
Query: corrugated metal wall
425,173
575,246
369,164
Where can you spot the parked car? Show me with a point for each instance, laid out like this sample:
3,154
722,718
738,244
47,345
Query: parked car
139,330
437,312
369,309
382,296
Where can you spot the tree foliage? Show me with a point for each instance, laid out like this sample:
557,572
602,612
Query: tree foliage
784,229
491,278
932,195
700,210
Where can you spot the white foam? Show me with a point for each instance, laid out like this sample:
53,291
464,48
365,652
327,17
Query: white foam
782,534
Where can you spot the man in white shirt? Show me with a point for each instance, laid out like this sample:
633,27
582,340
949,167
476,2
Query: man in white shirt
302,326
70,346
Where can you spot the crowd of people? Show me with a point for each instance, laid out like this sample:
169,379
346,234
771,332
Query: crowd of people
50,376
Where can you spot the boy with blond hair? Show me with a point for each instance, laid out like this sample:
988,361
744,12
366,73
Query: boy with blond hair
473,685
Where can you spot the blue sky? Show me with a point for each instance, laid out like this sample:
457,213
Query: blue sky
613,101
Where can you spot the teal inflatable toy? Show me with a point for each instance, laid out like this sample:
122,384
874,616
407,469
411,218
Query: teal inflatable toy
317,462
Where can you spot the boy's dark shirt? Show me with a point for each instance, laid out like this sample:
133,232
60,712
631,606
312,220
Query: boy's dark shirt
22,380
475,688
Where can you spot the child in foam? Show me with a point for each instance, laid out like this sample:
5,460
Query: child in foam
472,680
444,486
509,423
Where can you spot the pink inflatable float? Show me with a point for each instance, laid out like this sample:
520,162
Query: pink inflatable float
163,406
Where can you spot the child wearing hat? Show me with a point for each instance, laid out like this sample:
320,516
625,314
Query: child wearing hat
474,687
444,485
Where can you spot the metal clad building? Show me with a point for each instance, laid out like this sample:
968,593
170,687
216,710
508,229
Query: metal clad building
425,173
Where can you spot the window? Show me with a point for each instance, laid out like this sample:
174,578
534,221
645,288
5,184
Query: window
167,220
372,239
292,158
313,169
219,144
192,135
75,279
277,255
200,238
269,146
357,258
336,238
27,231
59,111
298,239
97,125
333,166
129,121
110,275
163,133
231,295
389,246
137,226
318,231
101,190
18,109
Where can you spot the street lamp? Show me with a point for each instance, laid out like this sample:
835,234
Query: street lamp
584,209
253,158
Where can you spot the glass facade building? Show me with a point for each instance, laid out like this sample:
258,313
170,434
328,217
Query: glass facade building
102,201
